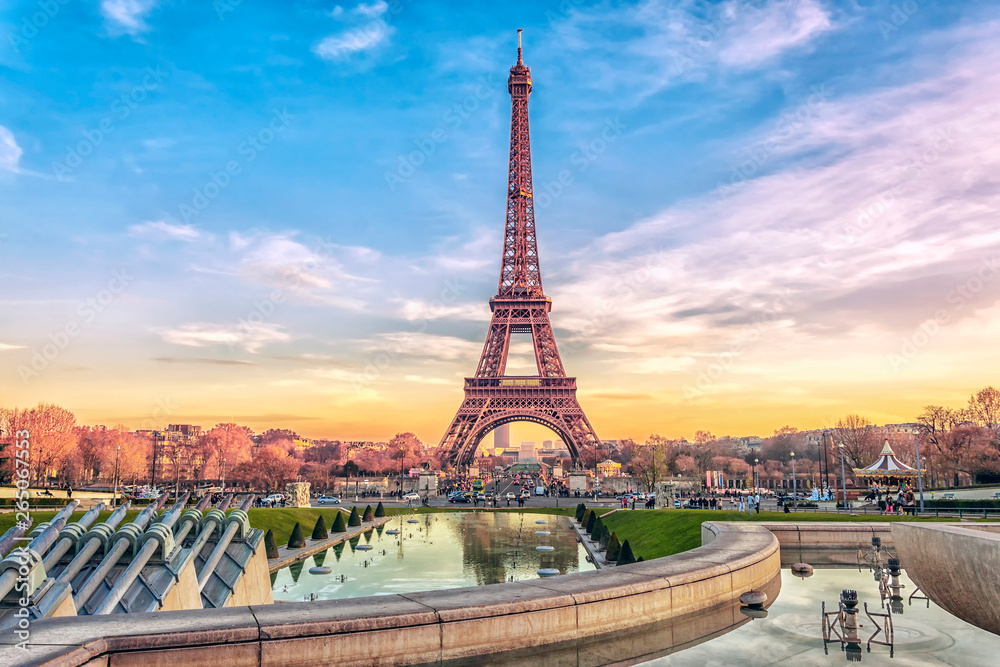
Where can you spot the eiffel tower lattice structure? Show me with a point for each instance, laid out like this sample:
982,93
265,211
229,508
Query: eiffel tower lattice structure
520,306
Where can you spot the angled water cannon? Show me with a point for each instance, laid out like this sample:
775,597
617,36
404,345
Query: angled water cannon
192,518
70,536
214,520
91,542
116,547
159,541
26,562
237,521
13,536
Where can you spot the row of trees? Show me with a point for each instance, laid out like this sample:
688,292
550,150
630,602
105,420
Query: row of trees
66,453
954,442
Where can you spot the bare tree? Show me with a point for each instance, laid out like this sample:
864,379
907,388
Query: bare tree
860,438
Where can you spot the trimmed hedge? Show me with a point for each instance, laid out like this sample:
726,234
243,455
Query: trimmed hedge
598,533
355,519
625,556
270,546
614,547
580,509
591,521
319,531
379,510
338,524
585,518
368,516
297,540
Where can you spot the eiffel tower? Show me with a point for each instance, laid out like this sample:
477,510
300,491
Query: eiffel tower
520,306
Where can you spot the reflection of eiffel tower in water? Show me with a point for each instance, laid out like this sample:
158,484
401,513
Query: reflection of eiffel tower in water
520,306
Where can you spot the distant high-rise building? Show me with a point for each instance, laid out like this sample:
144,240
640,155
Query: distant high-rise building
527,453
501,437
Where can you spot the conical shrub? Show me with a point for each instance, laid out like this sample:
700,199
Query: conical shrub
297,540
270,546
591,521
355,519
379,510
614,547
598,532
585,518
368,516
319,531
338,524
625,556
580,509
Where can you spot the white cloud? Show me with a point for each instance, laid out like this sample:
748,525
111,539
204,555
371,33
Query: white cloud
249,336
128,16
417,344
356,40
10,152
864,219
760,35
165,231
6,347
372,10
671,42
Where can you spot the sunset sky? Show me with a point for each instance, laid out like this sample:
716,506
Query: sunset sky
290,214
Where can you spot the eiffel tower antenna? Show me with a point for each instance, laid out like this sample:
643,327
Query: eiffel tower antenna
493,398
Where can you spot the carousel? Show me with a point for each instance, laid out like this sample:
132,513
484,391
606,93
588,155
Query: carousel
888,472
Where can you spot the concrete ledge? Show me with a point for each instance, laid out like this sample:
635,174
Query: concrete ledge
957,567
429,627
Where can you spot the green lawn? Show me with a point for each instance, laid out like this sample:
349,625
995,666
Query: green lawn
657,533
8,519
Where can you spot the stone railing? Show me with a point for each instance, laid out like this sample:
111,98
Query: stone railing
426,627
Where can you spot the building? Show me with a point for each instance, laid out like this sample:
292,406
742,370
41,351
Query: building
527,453
501,437
609,468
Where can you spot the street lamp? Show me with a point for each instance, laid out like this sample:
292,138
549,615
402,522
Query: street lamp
795,490
223,474
843,473
920,478
114,495
756,476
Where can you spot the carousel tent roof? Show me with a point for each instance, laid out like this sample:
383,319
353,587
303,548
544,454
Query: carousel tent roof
887,466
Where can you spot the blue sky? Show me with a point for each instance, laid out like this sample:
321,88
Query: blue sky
304,202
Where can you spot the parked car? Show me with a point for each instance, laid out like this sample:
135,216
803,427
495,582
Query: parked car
411,496
331,500
948,496
460,497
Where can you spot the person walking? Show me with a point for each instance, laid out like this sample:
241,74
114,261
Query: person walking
742,505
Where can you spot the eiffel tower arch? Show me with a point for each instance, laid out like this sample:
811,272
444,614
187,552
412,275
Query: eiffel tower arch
520,306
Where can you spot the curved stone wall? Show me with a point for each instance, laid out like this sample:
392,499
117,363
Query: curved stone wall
957,567
428,627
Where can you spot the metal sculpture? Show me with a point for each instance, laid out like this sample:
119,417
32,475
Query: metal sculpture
520,306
